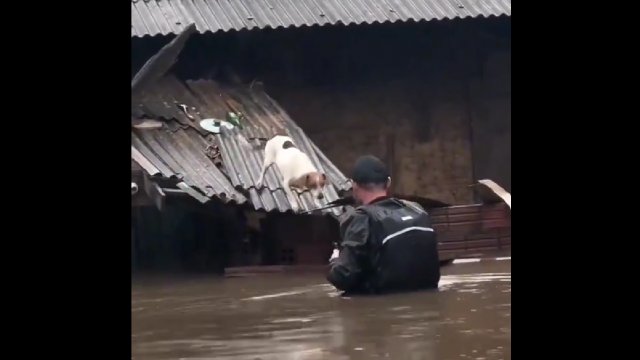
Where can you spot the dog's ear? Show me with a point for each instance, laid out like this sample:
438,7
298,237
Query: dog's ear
307,180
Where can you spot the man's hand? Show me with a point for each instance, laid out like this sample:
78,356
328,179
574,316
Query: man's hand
334,255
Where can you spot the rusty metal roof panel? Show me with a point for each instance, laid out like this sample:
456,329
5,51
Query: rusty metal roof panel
163,17
178,150
181,155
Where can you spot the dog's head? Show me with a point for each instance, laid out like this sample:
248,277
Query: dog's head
315,182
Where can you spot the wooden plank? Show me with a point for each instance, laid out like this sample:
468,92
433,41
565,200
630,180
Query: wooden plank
491,214
464,209
451,237
439,212
440,228
453,245
495,224
461,218
482,244
482,236
491,191
439,219
450,254
466,227
504,231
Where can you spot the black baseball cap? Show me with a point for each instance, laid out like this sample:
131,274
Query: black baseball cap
369,169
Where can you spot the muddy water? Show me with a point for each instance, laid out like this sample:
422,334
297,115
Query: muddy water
301,317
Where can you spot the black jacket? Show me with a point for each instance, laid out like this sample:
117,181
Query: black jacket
387,245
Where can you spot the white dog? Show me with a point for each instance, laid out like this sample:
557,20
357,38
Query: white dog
295,166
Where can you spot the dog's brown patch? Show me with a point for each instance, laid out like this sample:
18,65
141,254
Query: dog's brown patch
313,180
298,183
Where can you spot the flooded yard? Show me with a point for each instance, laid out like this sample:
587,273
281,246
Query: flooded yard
284,316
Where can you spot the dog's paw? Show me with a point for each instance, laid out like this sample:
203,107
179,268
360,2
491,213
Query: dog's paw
259,185
295,207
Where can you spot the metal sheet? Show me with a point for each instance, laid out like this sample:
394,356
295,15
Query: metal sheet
164,17
178,150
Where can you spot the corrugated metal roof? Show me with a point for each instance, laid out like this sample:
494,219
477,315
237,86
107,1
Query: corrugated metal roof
181,155
163,17
179,149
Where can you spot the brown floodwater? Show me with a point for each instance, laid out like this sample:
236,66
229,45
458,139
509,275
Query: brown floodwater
284,316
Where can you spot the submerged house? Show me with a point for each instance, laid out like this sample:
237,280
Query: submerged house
401,80
180,157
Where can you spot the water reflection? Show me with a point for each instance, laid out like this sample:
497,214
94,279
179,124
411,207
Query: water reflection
301,317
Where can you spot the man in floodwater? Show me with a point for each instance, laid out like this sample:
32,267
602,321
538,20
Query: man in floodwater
388,245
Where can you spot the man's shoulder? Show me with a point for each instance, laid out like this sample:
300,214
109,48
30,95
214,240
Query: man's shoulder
355,217
392,202
413,205
351,214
